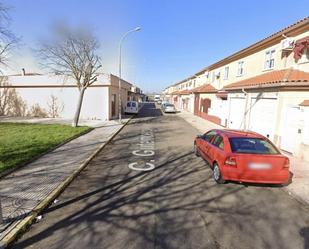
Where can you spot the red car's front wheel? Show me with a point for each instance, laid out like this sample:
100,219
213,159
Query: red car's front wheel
196,150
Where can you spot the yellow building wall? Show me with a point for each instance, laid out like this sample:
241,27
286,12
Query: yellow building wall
254,65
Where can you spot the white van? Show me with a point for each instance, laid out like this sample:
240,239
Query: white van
156,98
132,107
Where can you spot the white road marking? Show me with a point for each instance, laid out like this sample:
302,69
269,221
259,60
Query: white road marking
150,166
146,149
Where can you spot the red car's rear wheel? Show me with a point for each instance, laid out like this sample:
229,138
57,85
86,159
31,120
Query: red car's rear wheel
217,174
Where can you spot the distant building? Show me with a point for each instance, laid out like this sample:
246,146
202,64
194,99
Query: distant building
100,99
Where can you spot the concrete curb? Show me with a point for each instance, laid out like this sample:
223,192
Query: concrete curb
22,225
295,197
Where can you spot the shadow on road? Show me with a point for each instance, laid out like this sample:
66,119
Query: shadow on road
174,204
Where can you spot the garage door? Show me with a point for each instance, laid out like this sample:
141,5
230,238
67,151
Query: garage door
289,126
263,116
237,109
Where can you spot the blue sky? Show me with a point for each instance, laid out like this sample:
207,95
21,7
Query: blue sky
177,39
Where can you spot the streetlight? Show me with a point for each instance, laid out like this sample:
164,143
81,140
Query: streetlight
119,76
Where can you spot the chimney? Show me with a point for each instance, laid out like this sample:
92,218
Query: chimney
23,72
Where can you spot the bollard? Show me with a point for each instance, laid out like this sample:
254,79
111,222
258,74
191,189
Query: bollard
1,218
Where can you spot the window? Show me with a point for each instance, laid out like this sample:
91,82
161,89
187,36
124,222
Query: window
269,59
209,136
240,70
129,104
218,142
213,76
305,56
133,104
252,146
226,73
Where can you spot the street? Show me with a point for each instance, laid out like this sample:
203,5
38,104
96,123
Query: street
146,189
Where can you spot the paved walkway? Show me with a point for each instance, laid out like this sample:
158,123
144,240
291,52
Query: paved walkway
299,187
24,189
66,121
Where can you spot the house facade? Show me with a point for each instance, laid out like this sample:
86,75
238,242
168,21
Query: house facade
263,88
100,99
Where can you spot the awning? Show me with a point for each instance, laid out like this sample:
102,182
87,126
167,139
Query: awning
207,88
222,95
185,92
300,46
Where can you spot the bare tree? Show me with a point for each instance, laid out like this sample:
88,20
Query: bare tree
7,39
5,96
10,103
73,52
37,111
17,106
54,108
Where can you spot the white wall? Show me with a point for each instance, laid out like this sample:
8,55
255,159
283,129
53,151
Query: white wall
95,103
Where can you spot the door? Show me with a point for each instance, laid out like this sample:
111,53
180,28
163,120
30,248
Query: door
196,104
236,113
262,117
216,151
289,128
205,104
205,145
113,105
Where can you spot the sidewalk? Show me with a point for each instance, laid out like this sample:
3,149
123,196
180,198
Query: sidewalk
28,190
299,188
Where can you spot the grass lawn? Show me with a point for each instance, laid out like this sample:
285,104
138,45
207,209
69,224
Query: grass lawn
20,142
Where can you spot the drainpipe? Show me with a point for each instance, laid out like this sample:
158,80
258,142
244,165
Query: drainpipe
246,107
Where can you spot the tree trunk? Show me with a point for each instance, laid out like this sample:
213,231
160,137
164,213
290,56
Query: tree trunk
78,107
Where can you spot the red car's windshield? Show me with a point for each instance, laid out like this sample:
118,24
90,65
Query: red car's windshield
252,146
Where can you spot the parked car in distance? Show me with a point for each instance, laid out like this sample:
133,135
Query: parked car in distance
242,156
163,104
132,107
169,108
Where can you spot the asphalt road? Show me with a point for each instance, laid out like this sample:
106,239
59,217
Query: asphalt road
177,204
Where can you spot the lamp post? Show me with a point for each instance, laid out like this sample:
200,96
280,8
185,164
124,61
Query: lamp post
119,76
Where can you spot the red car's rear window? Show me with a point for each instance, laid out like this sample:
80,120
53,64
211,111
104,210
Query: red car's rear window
252,146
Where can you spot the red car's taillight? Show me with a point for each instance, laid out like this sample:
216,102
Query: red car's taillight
230,161
286,163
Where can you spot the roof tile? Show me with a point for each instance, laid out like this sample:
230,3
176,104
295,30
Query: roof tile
207,88
305,103
272,79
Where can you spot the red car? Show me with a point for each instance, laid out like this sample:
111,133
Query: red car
242,156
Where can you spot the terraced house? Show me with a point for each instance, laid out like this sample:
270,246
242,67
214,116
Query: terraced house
263,88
